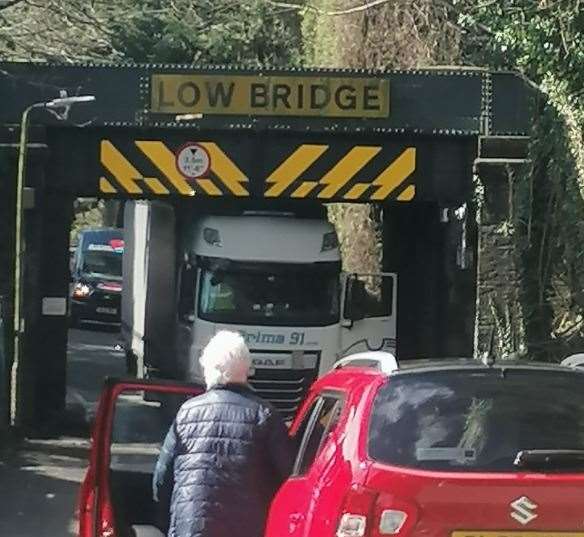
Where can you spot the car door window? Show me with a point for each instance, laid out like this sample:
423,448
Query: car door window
138,420
319,423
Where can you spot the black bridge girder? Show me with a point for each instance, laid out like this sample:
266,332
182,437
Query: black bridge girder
445,101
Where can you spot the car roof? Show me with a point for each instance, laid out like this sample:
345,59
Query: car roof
339,377
437,364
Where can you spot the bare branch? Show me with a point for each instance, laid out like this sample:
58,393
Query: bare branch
348,11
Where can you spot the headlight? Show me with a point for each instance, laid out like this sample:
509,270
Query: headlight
81,290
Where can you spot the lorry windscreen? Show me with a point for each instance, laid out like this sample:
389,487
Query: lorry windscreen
101,263
276,295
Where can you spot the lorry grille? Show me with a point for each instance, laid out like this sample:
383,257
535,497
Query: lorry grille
284,388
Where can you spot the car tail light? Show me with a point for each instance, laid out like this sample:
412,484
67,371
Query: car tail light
393,516
356,515
352,525
367,513
391,521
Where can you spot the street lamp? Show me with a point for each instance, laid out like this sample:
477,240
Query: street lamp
60,108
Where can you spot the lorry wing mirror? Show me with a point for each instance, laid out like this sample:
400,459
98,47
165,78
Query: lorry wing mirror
355,304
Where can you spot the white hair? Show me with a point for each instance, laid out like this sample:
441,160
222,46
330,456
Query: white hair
225,359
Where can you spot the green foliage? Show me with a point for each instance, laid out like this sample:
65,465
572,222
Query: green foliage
88,213
544,41
249,32
320,40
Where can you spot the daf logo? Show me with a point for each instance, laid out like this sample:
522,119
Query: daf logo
523,510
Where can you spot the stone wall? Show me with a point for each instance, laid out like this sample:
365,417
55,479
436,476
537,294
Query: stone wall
499,323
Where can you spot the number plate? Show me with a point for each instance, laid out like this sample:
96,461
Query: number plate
109,311
479,533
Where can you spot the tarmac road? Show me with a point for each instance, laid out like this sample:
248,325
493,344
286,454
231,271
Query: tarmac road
91,357
39,480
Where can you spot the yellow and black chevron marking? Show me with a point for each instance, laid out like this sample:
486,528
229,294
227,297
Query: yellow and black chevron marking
356,176
149,168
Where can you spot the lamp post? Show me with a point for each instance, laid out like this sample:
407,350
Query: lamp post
60,108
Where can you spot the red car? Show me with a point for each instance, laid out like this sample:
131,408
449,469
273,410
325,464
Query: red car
443,448
437,449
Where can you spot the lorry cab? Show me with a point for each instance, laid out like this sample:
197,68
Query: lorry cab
132,420
275,277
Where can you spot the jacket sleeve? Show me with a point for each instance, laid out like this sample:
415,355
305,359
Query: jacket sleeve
280,448
165,465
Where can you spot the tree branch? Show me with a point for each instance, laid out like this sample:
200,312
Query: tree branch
319,11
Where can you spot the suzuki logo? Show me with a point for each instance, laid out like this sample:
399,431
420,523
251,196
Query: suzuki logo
523,510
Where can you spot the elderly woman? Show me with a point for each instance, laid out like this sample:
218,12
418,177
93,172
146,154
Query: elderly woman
227,451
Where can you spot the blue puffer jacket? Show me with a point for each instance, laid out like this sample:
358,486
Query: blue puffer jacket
230,452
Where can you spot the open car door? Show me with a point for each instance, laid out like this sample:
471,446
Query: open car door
131,423
369,313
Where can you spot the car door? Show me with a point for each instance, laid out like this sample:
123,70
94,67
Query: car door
132,420
292,510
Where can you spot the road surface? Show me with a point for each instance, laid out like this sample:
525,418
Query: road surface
40,480
91,357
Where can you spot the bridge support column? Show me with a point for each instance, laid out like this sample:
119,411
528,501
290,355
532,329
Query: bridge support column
7,207
499,324
48,337
21,380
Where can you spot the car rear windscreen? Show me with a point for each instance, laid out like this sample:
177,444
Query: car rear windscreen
475,420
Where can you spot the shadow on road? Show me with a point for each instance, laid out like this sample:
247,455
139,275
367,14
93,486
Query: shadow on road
99,327
41,482
91,357
39,479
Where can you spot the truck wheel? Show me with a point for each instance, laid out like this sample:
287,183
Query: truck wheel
131,364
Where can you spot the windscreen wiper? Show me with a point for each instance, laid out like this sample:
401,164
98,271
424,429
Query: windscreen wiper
550,459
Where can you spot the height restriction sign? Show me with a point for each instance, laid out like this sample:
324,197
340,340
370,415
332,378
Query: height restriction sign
193,161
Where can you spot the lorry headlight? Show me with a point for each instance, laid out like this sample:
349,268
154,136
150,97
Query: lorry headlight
212,237
330,241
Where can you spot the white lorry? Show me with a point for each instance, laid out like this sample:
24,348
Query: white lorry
274,277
